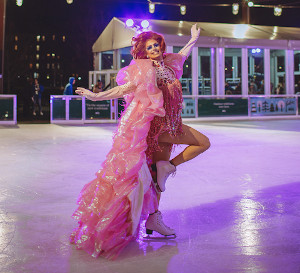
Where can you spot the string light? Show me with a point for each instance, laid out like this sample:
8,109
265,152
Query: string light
183,9
151,7
19,3
145,24
235,8
277,11
129,23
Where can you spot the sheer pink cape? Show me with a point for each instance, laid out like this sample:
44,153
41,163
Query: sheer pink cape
111,206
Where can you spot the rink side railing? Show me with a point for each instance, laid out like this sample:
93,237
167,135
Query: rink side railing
8,109
75,109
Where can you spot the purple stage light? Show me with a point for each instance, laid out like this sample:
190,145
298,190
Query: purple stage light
145,24
129,23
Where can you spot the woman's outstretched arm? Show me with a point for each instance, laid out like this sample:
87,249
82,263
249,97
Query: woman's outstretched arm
114,93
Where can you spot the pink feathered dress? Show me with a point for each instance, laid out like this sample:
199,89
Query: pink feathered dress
112,205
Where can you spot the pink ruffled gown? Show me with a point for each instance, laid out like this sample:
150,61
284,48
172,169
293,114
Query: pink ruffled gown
111,206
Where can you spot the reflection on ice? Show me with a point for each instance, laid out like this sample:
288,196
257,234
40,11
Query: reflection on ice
248,224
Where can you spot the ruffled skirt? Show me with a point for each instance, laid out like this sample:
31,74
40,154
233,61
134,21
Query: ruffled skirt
111,206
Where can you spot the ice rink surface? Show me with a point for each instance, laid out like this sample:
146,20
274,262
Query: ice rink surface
236,208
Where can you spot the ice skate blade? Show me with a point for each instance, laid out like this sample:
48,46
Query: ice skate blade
162,237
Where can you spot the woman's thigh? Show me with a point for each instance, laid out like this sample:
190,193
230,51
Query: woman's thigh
190,136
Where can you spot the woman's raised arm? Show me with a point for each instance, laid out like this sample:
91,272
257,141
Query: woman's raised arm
187,49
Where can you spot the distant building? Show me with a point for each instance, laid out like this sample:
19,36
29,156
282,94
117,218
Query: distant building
39,56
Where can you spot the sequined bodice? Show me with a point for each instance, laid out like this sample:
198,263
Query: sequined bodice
164,74
172,94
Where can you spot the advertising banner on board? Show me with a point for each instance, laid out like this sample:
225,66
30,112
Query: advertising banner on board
210,107
97,109
272,106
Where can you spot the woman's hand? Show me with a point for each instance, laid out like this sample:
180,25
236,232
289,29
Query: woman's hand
195,32
86,93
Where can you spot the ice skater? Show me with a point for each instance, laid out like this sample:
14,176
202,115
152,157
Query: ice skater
124,191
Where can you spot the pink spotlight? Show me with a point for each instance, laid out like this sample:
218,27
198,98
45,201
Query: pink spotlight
145,24
129,22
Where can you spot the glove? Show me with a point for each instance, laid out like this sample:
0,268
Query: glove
114,93
187,49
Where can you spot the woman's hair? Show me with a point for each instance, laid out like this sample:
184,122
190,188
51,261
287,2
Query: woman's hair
138,50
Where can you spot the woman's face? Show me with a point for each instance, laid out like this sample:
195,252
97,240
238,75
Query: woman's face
153,50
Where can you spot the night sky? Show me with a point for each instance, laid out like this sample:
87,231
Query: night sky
84,20
57,15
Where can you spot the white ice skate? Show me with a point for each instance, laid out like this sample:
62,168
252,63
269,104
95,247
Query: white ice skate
155,223
164,169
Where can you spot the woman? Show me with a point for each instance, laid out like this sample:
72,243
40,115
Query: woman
124,192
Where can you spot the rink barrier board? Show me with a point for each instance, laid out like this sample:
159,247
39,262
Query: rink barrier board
74,109
79,110
8,109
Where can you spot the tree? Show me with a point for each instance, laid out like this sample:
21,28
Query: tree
289,102
265,107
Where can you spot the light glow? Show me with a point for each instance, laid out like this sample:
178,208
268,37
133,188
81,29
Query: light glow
256,50
145,24
19,3
235,8
250,4
182,9
129,23
240,31
70,2
151,7
277,11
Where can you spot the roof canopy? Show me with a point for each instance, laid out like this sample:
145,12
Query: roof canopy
116,35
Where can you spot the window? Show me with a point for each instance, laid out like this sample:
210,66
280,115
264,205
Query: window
256,71
107,60
297,71
186,79
125,56
233,71
204,71
277,71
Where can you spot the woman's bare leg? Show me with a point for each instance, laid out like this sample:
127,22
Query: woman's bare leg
164,153
198,143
